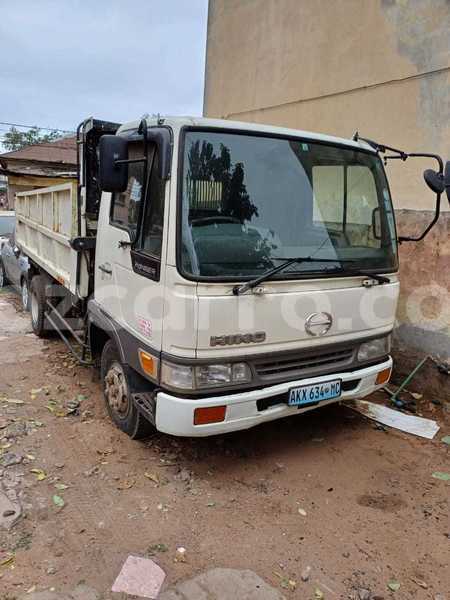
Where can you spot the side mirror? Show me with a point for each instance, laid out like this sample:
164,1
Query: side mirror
112,172
376,223
434,181
447,179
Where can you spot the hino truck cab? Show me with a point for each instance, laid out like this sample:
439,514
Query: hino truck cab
226,274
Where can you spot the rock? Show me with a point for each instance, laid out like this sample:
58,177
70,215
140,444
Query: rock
81,592
9,459
305,574
42,596
18,429
223,584
73,406
364,594
84,592
51,571
10,512
139,577
184,475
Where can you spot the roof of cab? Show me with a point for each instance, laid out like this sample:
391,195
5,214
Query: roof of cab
178,122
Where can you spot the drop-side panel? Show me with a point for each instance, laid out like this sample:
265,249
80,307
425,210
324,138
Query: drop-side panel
46,221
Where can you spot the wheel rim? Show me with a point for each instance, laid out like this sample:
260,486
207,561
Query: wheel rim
25,297
34,309
116,390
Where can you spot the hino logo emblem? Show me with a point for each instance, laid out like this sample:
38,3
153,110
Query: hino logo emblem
237,338
318,323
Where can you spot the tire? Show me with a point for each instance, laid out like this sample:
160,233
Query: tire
25,288
37,307
116,391
3,278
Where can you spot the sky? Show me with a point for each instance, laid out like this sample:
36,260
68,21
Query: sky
63,61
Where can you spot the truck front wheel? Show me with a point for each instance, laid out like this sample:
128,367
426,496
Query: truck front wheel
116,390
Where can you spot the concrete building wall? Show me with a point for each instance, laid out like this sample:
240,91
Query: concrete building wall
381,67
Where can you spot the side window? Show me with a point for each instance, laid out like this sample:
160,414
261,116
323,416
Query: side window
153,220
362,199
361,196
125,206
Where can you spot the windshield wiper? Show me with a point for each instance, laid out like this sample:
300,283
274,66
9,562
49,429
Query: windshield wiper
245,287
380,278
241,289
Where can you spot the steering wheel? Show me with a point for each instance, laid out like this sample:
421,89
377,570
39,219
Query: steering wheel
215,219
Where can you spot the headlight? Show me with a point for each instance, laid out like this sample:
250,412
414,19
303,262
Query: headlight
180,376
374,348
204,376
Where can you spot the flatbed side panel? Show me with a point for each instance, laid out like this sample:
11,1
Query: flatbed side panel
46,222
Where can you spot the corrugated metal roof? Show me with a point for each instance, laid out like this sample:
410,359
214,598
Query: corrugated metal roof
63,150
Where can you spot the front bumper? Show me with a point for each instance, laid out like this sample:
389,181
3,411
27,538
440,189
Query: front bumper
175,415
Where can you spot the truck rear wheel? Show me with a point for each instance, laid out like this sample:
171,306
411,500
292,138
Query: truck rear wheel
37,307
25,294
3,279
116,390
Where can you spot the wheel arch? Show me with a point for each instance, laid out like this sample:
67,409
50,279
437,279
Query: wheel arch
101,329
97,339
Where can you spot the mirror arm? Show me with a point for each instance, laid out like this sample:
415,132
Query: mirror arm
437,212
428,155
399,154
402,239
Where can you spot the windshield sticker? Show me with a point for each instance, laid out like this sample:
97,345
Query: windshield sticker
135,193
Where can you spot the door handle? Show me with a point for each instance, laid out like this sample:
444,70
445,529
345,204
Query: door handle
105,268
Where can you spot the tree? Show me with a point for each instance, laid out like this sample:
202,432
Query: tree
206,165
15,139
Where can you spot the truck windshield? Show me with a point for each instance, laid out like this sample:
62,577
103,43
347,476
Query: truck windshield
250,201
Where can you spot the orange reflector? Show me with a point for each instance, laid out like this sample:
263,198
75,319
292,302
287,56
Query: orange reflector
210,414
148,363
383,376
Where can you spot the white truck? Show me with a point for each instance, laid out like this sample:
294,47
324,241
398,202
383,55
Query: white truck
220,274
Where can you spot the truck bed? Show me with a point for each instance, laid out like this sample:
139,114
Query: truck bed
46,222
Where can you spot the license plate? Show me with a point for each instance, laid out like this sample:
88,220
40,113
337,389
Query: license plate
312,394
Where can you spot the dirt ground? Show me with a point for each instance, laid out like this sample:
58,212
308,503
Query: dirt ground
327,490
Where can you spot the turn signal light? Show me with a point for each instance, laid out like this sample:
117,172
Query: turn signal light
148,363
209,414
383,376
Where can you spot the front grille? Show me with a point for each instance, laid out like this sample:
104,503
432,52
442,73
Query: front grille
294,365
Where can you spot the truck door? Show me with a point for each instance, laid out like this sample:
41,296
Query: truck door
128,275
